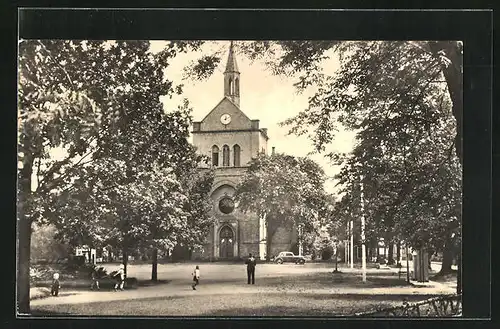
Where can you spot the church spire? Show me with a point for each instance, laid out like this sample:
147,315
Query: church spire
231,65
232,77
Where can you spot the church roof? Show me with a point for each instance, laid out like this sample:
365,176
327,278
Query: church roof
231,65
225,98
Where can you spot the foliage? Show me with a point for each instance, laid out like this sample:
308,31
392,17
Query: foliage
198,208
404,100
327,252
405,138
84,105
44,246
283,190
401,98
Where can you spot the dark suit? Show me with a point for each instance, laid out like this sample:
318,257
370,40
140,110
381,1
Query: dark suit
54,291
251,262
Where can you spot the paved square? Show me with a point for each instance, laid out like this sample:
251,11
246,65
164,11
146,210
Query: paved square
280,290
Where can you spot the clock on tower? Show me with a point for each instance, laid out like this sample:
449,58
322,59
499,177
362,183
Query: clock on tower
225,119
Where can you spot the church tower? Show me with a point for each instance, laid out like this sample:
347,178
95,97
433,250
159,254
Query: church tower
232,78
230,139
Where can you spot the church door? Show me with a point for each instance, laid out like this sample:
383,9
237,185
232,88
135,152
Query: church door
226,242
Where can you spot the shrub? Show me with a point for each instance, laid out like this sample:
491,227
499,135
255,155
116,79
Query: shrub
327,253
36,275
44,245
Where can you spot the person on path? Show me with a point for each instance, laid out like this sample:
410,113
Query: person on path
196,277
54,291
95,278
120,278
250,262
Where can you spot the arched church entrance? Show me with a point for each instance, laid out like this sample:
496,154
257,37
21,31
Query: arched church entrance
226,242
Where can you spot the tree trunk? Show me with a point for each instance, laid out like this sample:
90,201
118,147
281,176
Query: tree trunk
398,252
23,275
429,259
125,261
407,264
447,258
459,273
454,80
390,258
154,268
24,236
269,239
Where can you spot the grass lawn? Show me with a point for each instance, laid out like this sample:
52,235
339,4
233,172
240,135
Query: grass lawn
272,304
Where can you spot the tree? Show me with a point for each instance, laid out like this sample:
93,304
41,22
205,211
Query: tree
283,190
44,245
80,101
393,94
397,96
197,221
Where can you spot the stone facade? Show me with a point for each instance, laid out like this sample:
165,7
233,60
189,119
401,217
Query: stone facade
231,139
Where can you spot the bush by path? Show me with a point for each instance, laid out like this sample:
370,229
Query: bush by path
44,272
39,292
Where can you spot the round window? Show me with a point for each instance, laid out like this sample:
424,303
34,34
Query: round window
226,205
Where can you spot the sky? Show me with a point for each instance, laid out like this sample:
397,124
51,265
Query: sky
263,96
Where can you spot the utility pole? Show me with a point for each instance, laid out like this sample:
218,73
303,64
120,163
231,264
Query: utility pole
363,246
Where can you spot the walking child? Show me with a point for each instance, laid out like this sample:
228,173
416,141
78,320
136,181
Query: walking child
196,277
120,278
54,291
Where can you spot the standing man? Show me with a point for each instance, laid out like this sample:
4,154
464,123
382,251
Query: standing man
250,268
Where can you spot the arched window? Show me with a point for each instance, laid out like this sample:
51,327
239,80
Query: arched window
226,233
215,155
225,156
236,155
231,86
237,86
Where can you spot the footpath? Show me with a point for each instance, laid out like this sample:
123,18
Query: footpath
183,289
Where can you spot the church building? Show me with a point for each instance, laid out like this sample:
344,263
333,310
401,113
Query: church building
231,139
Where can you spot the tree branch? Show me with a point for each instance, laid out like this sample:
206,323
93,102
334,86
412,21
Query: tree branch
58,64
416,45
55,168
58,165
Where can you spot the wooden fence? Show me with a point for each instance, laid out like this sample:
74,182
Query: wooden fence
442,306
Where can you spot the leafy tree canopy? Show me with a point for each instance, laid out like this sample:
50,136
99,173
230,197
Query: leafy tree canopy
93,132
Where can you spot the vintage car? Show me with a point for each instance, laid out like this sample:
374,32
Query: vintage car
289,257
